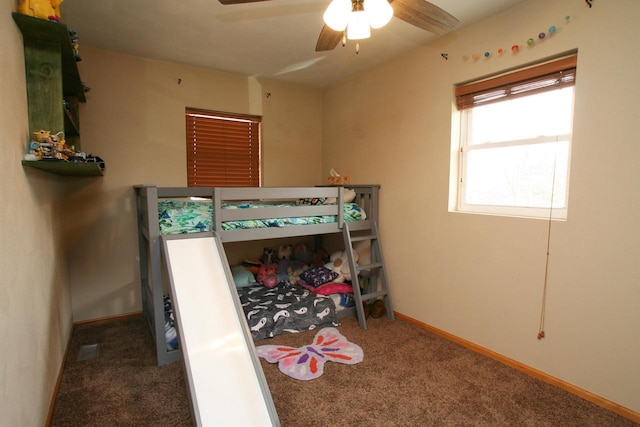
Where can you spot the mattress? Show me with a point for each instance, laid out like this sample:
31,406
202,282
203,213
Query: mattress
179,216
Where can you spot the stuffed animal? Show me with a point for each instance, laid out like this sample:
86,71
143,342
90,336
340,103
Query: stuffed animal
267,276
242,277
339,262
55,5
302,253
284,252
252,265
44,9
294,275
268,256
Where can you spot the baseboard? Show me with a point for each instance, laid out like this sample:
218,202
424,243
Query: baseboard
56,388
109,319
584,394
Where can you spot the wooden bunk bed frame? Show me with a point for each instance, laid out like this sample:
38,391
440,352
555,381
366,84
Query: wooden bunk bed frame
150,244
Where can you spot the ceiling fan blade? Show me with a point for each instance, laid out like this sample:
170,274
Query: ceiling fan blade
238,1
328,39
422,14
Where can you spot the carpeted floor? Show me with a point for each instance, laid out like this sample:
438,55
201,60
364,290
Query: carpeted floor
122,386
409,377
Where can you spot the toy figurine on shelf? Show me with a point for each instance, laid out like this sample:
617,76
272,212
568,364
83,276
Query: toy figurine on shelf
62,150
75,46
43,9
34,152
44,145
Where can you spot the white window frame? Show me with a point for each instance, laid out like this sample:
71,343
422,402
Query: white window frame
461,145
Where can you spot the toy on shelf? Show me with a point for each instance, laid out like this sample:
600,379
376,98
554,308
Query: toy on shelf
75,46
47,146
43,9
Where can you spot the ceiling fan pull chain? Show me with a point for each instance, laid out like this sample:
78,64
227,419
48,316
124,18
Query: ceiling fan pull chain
357,48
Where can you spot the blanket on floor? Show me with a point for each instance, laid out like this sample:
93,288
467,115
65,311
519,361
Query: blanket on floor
284,309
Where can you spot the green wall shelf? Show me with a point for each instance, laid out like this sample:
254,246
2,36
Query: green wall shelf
51,76
36,29
63,168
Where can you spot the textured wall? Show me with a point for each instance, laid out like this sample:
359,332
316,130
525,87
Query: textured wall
35,306
481,277
134,120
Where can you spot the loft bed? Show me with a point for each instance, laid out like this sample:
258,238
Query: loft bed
243,214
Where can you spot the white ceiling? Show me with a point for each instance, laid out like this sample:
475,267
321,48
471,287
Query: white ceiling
273,39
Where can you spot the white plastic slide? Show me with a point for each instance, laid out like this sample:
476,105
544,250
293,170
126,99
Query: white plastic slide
226,383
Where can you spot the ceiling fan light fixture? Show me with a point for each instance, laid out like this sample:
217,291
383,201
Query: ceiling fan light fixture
337,14
379,12
358,27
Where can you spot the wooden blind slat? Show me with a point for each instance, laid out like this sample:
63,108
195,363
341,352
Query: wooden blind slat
222,152
548,76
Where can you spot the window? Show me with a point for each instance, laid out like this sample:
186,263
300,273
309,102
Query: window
515,142
223,150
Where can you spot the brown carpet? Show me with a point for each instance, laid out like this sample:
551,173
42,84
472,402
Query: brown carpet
409,377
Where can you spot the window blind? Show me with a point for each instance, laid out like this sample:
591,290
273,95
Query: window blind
223,150
548,76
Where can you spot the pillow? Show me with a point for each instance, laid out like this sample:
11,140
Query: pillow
306,286
317,276
333,288
242,277
348,196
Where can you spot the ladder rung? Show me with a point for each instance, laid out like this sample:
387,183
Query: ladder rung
369,266
373,274
373,295
365,237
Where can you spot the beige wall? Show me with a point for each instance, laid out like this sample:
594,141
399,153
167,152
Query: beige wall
35,306
481,277
134,120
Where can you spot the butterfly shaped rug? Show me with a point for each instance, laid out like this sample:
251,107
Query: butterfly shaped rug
307,362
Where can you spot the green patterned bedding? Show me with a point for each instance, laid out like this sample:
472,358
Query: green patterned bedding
178,217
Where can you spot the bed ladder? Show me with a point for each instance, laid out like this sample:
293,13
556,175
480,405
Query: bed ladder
373,275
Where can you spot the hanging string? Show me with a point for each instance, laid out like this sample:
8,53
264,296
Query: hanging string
546,266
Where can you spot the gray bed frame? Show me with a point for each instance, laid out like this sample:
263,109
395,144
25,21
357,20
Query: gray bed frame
151,266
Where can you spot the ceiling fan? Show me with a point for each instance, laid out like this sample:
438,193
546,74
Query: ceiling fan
419,13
